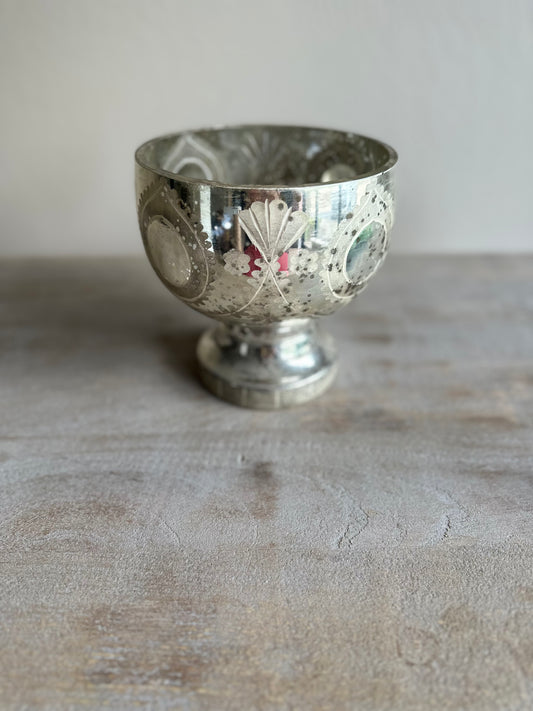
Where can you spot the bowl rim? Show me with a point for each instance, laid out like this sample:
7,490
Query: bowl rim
384,168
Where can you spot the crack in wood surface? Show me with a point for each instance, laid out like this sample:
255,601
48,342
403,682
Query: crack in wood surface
353,530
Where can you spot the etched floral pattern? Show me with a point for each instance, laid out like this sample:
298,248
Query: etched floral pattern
302,261
236,263
278,272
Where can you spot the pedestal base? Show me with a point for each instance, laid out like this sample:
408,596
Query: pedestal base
270,366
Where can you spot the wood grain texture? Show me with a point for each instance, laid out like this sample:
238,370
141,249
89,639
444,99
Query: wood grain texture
163,550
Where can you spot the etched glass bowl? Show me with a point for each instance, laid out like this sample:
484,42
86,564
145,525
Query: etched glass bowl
265,228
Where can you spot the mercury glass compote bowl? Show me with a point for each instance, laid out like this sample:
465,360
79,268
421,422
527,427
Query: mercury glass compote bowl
265,228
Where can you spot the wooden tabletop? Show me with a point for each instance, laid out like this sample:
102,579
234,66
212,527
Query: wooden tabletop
163,550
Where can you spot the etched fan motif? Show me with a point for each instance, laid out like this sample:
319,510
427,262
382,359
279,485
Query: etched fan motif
272,226
272,229
264,289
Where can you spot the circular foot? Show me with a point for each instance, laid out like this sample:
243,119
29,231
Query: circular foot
267,367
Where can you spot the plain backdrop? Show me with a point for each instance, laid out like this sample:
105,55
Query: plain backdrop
449,84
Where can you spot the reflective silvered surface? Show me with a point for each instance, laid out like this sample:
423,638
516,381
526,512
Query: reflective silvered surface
265,228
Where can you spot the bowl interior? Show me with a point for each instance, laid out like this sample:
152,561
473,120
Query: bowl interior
266,156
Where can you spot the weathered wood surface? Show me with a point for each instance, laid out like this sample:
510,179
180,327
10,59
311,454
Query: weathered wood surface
163,550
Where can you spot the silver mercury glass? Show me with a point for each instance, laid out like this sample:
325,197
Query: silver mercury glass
265,228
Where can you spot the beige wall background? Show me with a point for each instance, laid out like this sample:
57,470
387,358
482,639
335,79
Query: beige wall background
449,84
